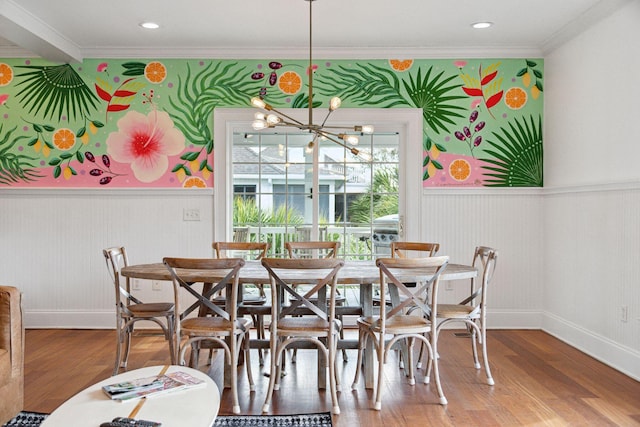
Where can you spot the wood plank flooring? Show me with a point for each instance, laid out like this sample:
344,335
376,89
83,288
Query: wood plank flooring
539,381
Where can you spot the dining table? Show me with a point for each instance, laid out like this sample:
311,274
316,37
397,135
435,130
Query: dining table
362,273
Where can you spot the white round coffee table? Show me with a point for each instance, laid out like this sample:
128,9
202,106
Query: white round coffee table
196,407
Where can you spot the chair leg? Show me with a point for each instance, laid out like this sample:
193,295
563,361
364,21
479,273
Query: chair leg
258,320
128,331
410,344
361,346
233,361
119,339
335,367
169,334
247,360
485,356
333,378
345,358
436,370
379,384
273,374
420,355
429,352
194,358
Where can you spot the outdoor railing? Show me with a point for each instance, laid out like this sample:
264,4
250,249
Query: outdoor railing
355,242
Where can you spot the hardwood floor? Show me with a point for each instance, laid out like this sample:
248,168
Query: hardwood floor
539,381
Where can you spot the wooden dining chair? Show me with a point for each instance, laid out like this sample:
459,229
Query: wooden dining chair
321,328
252,304
130,309
225,329
472,311
409,250
320,250
393,325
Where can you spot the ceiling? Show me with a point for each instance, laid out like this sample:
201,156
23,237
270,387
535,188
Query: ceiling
72,30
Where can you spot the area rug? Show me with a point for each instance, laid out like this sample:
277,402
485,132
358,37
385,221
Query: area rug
303,420
33,419
26,419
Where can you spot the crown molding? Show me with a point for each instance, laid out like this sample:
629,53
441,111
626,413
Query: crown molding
303,53
580,24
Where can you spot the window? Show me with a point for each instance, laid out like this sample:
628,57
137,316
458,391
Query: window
274,178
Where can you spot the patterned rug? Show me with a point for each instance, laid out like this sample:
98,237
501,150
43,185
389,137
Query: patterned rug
305,420
33,419
26,419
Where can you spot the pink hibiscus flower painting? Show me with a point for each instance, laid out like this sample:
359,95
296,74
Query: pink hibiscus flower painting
146,142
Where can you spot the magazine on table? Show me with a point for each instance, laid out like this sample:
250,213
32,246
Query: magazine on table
151,386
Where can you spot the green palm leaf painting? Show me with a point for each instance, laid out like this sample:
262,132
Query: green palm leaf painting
364,84
516,155
14,167
198,94
55,88
432,95
369,84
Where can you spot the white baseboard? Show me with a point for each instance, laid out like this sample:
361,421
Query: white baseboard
514,319
75,320
609,352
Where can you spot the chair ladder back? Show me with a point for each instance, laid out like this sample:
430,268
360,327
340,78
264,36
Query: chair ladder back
330,279
400,249
233,266
414,297
116,258
251,250
305,250
484,258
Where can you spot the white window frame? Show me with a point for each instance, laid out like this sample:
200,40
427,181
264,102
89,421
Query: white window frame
407,121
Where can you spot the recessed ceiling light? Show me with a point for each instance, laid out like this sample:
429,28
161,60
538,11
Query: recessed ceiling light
149,25
482,24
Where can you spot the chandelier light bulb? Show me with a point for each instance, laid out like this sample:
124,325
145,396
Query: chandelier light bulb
260,116
334,103
368,129
259,125
258,102
350,139
272,119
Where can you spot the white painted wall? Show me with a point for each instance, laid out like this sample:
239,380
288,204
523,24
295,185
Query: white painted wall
592,104
592,191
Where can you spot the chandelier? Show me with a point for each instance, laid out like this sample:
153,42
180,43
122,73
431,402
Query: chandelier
271,117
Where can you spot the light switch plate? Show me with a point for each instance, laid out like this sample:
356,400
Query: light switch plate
191,215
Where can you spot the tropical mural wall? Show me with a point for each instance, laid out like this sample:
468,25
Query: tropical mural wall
149,123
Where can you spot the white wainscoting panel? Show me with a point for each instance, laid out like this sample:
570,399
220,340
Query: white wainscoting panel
52,243
592,271
507,220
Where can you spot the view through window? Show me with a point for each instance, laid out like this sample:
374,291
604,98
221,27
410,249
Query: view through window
273,181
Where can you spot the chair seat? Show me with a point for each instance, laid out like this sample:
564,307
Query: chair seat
397,324
153,308
456,310
210,325
307,323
